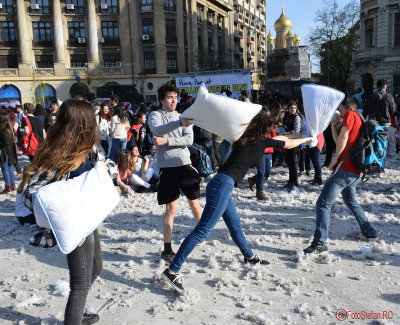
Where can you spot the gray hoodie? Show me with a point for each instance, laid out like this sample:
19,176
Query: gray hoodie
167,125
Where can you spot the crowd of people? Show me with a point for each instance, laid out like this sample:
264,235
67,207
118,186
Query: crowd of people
151,148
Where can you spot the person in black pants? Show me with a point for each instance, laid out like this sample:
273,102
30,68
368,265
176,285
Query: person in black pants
329,146
65,155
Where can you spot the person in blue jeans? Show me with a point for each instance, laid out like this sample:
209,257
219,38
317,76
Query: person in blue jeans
8,155
343,181
246,153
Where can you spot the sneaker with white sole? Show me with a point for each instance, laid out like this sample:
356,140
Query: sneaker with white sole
174,280
256,260
168,257
315,249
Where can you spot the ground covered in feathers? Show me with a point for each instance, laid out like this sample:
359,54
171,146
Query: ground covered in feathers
356,275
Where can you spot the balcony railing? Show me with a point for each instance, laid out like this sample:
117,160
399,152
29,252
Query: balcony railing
8,72
77,71
43,71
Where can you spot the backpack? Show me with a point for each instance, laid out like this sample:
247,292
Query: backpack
203,162
370,150
30,142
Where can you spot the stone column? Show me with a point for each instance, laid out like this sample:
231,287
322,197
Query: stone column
93,38
159,37
59,49
215,38
204,33
25,48
192,41
181,36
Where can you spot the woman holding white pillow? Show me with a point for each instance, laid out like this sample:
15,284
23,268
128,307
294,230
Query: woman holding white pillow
64,155
246,153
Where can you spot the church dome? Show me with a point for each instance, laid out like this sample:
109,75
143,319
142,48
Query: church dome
270,38
296,38
283,23
289,35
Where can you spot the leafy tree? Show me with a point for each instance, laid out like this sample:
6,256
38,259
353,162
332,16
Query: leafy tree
333,40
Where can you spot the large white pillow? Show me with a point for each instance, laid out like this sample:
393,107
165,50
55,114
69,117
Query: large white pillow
320,103
74,208
221,115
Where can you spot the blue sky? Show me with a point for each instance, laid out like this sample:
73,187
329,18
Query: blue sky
301,13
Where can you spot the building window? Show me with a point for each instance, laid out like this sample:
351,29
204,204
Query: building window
397,29
146,5
42,33
169,5
78,60
44,61
110,31
112,60
40,6
148,31
7,6
109,6
369,33
8,61
78,7
149,63
77,33
170,31
7,33
171,62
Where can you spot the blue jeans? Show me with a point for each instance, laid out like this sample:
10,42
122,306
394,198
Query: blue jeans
314,155
84,263
8,173
342,182
386,129
106,145
117,145
218,202
263,170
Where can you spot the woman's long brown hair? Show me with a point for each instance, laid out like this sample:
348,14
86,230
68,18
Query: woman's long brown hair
68,142
5,123
258,128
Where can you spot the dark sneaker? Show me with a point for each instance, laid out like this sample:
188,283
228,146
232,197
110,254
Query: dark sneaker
174,280
315,249
252,184
308,173
261,195
256,260
315,182
168,257
300,173
370,234
88,319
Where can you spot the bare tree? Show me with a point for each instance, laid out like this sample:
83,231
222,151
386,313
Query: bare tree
333,41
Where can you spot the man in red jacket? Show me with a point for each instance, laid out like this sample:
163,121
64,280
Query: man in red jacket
344,181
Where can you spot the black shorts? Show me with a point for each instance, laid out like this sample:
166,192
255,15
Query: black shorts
176,179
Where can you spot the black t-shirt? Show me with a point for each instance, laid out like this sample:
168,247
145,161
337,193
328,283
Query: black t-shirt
249,156
37,126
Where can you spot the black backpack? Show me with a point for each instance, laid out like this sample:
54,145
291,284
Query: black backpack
200,160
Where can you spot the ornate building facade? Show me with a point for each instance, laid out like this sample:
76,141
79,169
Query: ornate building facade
286,60
51,46
378,56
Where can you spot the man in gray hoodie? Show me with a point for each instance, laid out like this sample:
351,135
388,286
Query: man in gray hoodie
171,137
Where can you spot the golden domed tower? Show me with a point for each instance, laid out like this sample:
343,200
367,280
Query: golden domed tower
296,40
270,42
289,40
282,26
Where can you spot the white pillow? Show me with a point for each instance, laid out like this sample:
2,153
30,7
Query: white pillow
74,208
320,103
221,115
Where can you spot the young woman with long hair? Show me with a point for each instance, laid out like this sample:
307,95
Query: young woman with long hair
292,124
103,120
8,156
65,154
246,153
119,130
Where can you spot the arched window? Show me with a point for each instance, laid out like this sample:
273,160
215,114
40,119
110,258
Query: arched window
10,96
45,94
